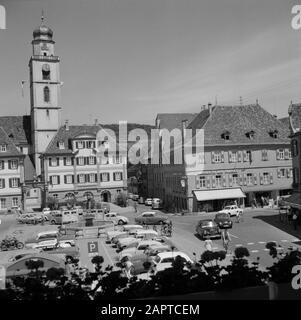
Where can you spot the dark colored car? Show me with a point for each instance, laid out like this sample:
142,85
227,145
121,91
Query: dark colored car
223,220
150,217
208,229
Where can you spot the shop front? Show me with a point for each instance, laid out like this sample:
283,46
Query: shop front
215,200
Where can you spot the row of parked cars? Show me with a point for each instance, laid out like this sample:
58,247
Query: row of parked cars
140,245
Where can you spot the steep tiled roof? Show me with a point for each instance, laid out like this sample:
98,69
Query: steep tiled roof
199,120
295,116
285,121
238,121
11,149
18,128
65,136
74,130
174,120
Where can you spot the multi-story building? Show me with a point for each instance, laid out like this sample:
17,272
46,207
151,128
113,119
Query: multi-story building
295,126
11,172
246,157
73,167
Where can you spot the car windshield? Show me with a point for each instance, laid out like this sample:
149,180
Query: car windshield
227,208
207,224
223,216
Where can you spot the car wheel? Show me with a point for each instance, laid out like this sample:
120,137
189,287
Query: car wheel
20,245
120,222
52,222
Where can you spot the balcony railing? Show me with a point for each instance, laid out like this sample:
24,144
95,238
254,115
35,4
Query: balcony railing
46,58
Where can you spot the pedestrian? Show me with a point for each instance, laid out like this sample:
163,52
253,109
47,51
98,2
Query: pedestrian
135,206
208,244
289,215
295,219
127,265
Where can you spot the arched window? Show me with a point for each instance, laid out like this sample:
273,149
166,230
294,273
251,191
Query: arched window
46,94
46,71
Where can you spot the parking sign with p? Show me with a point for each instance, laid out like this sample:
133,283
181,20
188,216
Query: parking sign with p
92,248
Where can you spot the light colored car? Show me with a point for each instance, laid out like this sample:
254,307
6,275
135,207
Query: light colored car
148,202
118,237
140,235
116,218
139,248
232,210
150,217
49,240
113,233
164,260
129,227
157,203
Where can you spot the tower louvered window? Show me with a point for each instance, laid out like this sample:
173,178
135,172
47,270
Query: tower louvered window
46,94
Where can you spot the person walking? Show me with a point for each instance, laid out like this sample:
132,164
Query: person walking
208,244
295,219
135,206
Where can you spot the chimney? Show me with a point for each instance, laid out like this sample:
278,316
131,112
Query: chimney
184,126
67,125
157,123
203,107
210,108
96,122
275,116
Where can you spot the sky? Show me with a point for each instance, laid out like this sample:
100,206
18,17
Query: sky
131,59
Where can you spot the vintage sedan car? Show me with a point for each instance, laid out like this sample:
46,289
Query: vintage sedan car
150,217
164,260
116,218
232,210
113,233
207,229
223,220
141,247
148,202
30,218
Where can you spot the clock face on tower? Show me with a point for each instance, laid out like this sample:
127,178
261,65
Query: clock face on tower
44,47
46,67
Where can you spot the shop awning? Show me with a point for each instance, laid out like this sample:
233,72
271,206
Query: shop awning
294,200
205,195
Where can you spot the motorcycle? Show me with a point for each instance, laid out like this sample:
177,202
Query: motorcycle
11,244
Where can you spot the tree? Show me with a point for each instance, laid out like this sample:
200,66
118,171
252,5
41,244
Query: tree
34,265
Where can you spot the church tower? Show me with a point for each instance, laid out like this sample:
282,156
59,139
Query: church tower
44,92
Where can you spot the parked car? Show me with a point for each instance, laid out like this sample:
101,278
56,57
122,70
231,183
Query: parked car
150,217
116,218
157,203
232,210
164,260
207,229
140,235
139,248
148,202
122,235
49,240
135,197
79,210
223,220
30,218
110,234
129,227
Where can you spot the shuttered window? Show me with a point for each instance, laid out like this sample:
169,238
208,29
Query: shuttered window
2,183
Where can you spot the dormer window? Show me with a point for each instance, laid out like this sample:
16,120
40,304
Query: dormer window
61,145
226,135
273,134
3,148
250,134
